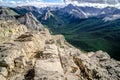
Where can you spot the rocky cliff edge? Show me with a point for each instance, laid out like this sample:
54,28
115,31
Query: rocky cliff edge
37,55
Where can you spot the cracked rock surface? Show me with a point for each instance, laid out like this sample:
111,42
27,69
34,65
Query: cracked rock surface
37,55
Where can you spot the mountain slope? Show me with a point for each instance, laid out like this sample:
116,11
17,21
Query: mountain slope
89,33
32,55
85,27
7,13
30,21
26,9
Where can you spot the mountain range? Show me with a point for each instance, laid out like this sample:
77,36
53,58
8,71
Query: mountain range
83,26
30,50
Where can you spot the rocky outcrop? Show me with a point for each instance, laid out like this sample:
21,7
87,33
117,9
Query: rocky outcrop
105,67
72,64
30,21
7,14
38,55
9,30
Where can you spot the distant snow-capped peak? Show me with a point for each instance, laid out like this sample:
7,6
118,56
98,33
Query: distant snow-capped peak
112,17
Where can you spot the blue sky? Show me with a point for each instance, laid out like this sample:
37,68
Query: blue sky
58,1
51,1
44,3
37,3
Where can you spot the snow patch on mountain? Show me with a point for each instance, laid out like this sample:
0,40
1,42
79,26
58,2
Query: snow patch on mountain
112,17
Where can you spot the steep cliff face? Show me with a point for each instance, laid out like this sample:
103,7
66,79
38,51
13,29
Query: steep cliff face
30,21
38,55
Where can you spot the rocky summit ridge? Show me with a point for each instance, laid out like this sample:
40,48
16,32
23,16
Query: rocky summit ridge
30,21
28,54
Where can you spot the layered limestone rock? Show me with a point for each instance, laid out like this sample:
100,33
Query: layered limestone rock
9,30
72,64
38,55
30,21
7,14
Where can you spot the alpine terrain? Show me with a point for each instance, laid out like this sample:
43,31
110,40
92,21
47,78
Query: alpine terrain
87,28
68,42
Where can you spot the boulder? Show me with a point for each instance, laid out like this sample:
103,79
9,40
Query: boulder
48,69
3,71
2,77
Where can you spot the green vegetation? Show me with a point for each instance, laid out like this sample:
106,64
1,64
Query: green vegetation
90,34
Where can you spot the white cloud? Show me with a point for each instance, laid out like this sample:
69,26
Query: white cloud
37,3
40,3
110,2
1,0
90,4
12,2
